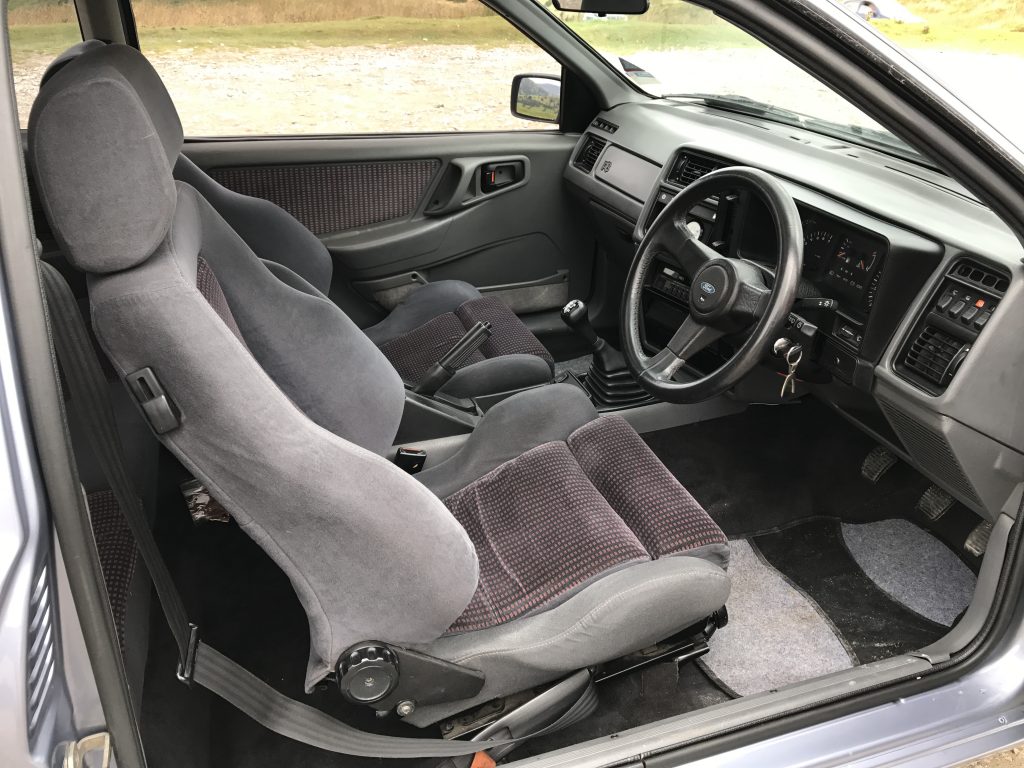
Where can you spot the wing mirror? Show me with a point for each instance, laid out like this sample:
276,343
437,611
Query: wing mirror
602,7
537,97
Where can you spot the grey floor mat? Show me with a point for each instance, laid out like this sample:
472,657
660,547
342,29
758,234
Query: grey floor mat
912,567
578,365
775,636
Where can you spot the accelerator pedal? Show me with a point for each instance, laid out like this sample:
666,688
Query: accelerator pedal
977,540
934,503
877,463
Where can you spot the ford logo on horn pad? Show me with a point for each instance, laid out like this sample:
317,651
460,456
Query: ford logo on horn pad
708,288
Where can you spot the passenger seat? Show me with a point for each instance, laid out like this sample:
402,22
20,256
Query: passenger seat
416,333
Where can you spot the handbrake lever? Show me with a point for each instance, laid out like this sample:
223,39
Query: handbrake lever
441,371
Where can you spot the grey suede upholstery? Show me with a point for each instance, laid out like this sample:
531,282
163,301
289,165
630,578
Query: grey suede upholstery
285,422
273,233
511,428
117,203
70,54
631,608
421,306
280,239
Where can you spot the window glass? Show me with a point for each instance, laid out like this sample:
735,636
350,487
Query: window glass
337,66
685,52
39,30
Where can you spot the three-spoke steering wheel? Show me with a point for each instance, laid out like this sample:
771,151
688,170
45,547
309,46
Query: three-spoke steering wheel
727,295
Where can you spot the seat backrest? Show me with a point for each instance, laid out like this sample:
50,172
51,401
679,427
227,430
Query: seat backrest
285,404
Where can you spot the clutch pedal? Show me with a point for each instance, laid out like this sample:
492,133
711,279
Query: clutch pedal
877,463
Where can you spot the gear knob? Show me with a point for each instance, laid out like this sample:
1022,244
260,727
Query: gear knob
574,315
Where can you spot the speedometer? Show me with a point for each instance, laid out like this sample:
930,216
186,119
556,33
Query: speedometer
819,245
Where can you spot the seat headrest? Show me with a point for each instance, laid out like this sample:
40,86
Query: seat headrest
70,54
103,139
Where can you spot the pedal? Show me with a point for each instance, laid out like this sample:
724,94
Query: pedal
934,503
877,463
977,541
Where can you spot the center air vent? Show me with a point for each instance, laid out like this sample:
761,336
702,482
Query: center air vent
586,158
935,355
687,168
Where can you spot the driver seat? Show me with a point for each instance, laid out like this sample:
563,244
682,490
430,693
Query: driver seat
553,540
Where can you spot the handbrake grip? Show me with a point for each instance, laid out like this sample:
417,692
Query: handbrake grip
441,371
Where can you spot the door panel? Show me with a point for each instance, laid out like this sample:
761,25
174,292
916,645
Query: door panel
334,197
399,211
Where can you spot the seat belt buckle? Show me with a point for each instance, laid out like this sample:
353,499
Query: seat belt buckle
411,459
187,665
161,413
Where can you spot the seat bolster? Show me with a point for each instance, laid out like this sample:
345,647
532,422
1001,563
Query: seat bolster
269,230
422,306
510,429
498,374
627,610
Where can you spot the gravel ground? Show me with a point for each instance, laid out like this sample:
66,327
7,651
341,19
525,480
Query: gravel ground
361,89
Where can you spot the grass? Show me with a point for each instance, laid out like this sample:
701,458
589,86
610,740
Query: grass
47,26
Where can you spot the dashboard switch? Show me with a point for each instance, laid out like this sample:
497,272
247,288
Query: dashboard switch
957,308
969,314
982,320
944,302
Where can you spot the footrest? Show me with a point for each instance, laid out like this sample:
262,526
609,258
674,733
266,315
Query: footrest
877,463
934,503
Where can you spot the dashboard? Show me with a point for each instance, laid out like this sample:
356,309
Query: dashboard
910,296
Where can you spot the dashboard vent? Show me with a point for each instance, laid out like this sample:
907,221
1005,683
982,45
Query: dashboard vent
934,355
688,168
980,276
41,660
586,158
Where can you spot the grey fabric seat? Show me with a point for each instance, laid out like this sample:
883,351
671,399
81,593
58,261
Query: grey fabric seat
417,332
553,540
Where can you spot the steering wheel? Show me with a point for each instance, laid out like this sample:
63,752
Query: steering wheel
727,295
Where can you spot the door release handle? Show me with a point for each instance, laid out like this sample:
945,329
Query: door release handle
494,176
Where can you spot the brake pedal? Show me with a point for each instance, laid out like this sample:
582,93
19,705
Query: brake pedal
934,503
877,463
977,541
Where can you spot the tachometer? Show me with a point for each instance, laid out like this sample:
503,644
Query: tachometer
819,245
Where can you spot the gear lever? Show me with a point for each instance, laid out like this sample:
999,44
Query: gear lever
606,357
609,382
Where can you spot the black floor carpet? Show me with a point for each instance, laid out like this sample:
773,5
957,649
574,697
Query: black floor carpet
771,466
756,473
812,556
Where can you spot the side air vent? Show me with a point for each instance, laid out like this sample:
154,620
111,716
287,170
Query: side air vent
41,661
980,276
587,156
687,168
934,355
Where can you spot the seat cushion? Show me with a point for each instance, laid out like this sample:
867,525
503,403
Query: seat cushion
568,512
430,322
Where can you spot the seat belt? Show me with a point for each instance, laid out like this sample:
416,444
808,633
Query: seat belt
199,662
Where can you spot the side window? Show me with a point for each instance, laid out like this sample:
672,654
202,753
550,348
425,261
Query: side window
39,30
263,67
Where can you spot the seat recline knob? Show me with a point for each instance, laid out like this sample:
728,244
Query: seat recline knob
367,673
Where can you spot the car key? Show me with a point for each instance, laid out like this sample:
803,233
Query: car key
793,355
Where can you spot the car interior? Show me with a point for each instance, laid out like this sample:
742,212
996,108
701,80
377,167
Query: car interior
557,435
